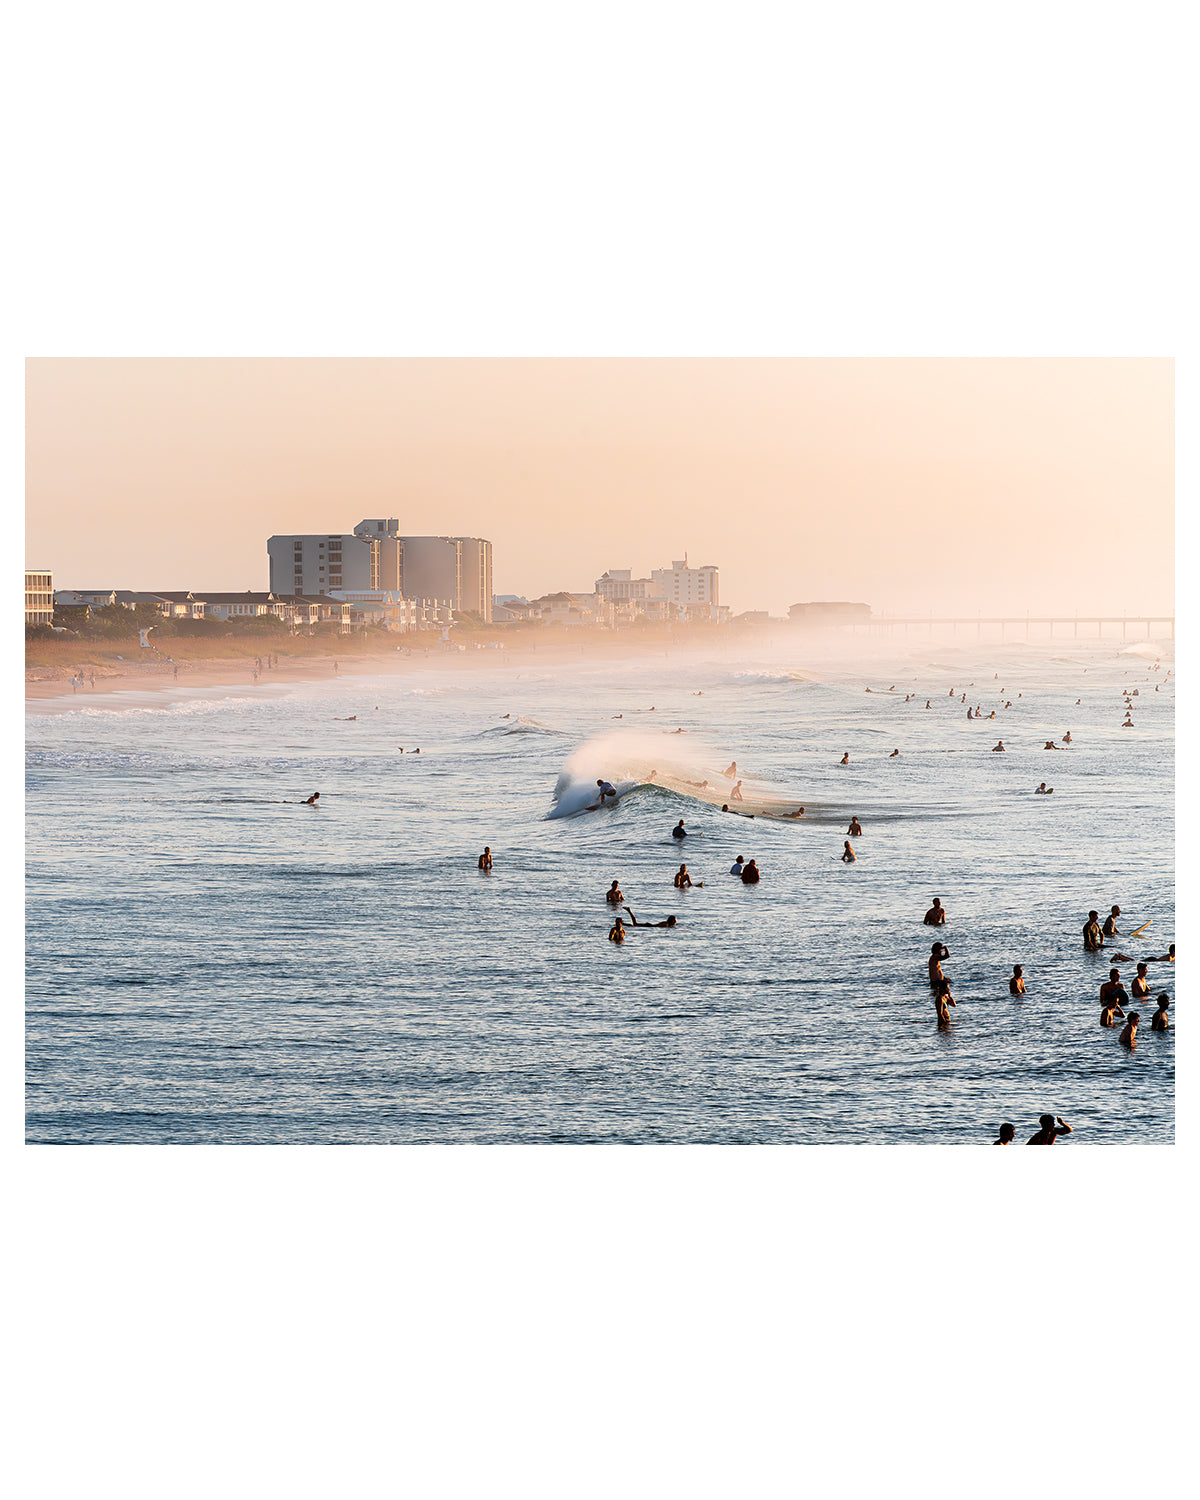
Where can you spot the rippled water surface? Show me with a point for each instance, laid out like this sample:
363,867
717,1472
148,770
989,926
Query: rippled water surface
210,961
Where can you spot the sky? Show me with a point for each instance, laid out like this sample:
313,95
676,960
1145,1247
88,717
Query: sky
943,486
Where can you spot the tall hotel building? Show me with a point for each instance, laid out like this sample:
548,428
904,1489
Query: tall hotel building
375,558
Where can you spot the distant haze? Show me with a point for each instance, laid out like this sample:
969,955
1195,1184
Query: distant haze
944,486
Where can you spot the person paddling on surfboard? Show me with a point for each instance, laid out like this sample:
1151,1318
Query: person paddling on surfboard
670,922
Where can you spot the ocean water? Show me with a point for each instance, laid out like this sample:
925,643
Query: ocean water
209,961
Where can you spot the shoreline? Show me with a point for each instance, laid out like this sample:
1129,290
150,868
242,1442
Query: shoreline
49,689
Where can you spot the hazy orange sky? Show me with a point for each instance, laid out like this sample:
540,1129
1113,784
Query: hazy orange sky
924,485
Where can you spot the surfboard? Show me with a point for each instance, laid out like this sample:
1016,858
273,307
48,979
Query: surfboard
1142,928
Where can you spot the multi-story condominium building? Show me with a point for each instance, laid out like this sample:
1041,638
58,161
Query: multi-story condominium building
458,568
375,558
619,585
677,584
682,585
316,564
39,597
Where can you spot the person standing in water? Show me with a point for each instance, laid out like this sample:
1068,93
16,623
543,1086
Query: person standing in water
1159,1022
845,760
936,915
1016,985
848,854
679,831
613,895
1110,923
942,1000
750,875
731,769
855,829
1128,1037
1049,1131
1093,938
1140,988
485,859
938,952
1006,1135
736,794
616,933
682,879
999,745
738,865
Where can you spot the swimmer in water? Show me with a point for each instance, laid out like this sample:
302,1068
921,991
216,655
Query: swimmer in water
1006,1135
606,790
1140,988
682,879
679,831
1159,1021
1109,1010
970,713
799,813
893,755
1046,1135
845,760
613,895
1110,922
750,875
1112,991
731,769
936,915
670,922
1016,985
1044,789
313,800
1049,745
848,854
999,745
1093,937
1164,958
738,865
855,829
1128,1037
736,794
724,806
1066,739
485,859
616,934
938,952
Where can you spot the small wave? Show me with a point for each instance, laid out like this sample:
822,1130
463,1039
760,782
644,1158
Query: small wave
522,724
765,677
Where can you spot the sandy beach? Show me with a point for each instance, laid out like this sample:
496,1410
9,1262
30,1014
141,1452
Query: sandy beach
48,687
